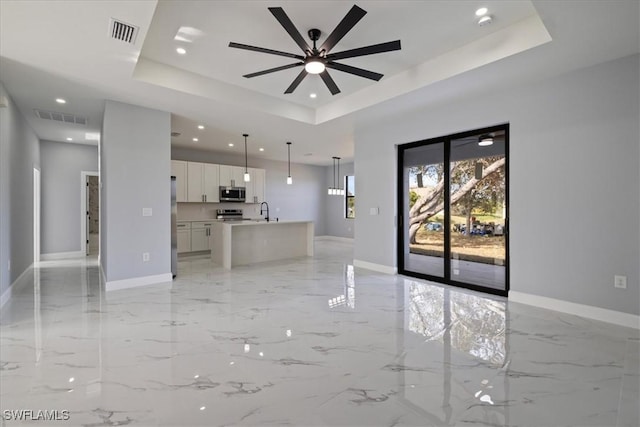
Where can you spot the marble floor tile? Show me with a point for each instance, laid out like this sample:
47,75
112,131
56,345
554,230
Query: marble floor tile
310,341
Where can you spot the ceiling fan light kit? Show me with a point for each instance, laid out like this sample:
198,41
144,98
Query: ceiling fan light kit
317,60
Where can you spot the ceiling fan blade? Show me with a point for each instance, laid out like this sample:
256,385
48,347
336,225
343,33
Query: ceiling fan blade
273,70
326,78
367,50
348,22
354,70
265,50
297,81
286,23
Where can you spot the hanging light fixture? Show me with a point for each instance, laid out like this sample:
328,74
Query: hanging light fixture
339,190
289,179
247,177
331,190
336,191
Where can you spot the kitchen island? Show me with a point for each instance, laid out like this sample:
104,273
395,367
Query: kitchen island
235,243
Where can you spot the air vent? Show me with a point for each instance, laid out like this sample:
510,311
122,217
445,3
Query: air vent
61,117
123,32
174,134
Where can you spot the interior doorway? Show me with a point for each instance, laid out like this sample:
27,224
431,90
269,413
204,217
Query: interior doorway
36,215
453,209
90,209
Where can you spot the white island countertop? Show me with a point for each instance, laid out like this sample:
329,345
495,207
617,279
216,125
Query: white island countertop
246,222
235,243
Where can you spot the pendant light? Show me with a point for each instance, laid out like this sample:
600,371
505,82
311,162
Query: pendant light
289,179
247,177
335,191
339,190
330,190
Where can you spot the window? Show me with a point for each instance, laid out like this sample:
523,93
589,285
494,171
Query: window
350,197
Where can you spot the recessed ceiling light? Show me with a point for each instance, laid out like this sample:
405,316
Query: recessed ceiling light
69,139
195,139
261,149
482,11
181,50
61,101
485,20
312,95
230,144
200,127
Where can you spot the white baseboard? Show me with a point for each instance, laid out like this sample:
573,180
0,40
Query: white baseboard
6,295
375,267
334,239
61,255
135,282
588,311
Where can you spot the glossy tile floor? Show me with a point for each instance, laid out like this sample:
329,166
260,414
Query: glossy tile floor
306,342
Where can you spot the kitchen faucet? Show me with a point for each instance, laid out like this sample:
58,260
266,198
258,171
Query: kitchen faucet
267,210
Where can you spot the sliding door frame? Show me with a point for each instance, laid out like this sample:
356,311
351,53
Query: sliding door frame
401,208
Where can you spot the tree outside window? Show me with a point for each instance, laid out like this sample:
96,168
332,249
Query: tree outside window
350,197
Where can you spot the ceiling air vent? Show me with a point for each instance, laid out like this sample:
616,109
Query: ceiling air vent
61,117
124,32
174,134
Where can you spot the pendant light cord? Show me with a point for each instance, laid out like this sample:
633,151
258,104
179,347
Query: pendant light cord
245,152
289,156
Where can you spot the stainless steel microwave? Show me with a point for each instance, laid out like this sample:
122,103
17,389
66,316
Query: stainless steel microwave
232,194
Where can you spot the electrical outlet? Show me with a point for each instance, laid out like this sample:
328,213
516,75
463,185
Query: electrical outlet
620,282
147,212
145,257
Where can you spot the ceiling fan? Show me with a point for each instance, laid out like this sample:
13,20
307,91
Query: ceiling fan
317,60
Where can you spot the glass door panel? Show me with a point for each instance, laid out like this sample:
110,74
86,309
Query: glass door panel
477,210
423,209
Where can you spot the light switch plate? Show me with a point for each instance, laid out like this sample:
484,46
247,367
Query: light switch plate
620,282
147,212
374,211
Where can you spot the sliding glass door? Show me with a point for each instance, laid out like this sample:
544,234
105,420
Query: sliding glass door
453,209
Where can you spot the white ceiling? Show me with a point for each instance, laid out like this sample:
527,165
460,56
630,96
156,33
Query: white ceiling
53,49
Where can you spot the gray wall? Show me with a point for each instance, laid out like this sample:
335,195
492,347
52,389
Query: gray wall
303,200
62,164
135,173
574,167
337,224
19,154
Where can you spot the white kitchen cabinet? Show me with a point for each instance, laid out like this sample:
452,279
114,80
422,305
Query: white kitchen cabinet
179,170
202,182
195,190
184,237
231,176
200,232
256,188
199,240
211,183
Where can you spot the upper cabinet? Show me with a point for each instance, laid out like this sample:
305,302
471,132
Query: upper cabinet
232,176
256,187
179,170
202,182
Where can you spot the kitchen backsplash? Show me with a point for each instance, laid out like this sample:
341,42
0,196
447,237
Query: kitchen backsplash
205,211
